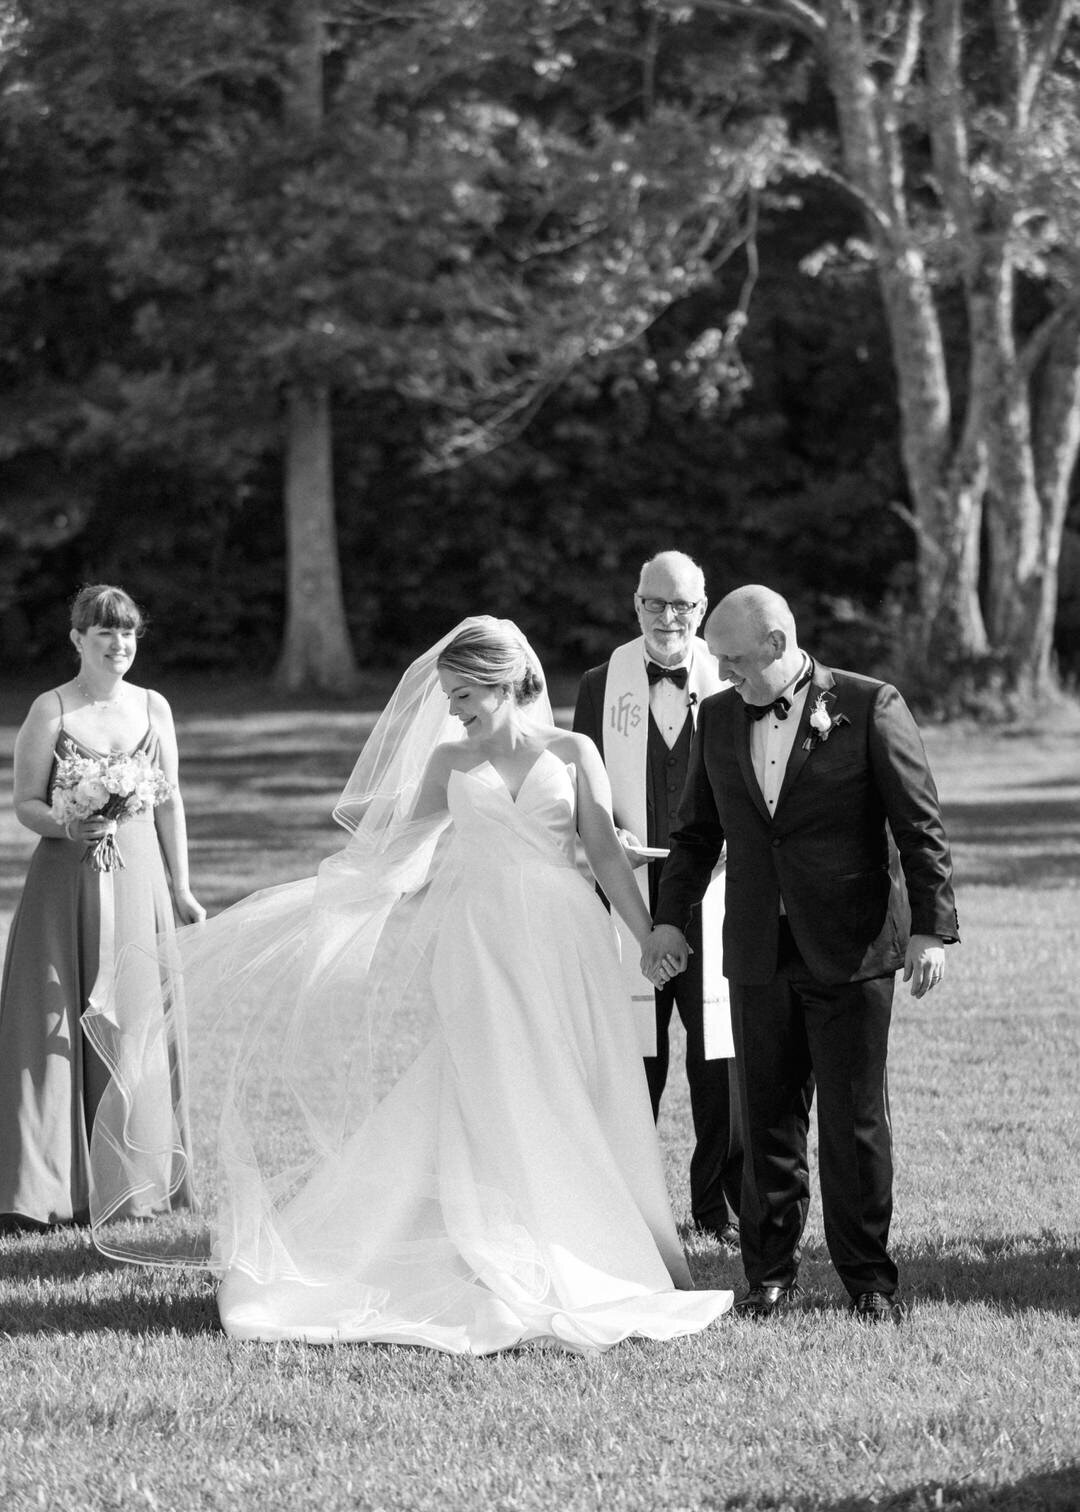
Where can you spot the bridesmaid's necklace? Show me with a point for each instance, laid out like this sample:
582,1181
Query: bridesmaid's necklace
96,703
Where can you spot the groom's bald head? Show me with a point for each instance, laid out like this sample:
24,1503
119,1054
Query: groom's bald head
752,634
756,608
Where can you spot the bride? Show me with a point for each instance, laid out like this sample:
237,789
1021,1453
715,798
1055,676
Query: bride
438,1130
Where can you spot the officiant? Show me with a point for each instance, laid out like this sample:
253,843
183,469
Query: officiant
640,709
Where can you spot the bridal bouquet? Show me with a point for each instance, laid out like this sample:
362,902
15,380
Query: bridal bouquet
109,787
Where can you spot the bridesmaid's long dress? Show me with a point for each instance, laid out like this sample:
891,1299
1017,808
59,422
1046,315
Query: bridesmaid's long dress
70,920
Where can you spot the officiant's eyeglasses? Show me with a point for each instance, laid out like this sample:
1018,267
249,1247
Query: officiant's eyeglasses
679,607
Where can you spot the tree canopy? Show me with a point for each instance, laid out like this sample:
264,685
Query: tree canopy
532,291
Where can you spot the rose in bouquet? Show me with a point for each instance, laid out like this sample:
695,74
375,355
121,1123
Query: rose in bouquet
107,787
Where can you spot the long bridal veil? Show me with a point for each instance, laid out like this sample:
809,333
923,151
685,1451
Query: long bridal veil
301,1005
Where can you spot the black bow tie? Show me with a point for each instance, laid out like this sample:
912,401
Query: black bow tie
781,706
678,675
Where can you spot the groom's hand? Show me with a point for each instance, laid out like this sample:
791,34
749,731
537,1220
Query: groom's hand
664,954
924,964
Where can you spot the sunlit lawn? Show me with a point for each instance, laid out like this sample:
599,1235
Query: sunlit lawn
118,1391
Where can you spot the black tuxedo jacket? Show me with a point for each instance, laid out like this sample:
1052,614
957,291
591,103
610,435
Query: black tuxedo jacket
826,849
589,710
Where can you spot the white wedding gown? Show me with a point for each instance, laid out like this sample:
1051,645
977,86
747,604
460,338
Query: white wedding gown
509,1185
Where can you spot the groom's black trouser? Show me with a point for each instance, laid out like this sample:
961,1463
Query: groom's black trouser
793,1035
716,1166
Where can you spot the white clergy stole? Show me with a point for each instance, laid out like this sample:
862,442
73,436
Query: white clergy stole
626,746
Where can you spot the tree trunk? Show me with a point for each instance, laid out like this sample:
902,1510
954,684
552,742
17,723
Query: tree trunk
1032,433
316,651
1012,501
945,488
946,485
1056,446
989,503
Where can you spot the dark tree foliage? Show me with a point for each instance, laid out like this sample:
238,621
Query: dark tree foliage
523,261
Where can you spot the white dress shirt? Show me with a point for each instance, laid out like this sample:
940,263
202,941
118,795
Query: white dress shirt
771,743
668,704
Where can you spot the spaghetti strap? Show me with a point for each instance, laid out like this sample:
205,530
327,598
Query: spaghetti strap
60,701
149,720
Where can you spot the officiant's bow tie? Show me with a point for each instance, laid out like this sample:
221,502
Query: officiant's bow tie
657,673
781,706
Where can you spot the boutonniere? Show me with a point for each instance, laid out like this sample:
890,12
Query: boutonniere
822,723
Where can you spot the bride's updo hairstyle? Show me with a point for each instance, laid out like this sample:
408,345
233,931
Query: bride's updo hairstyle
100,604
494,655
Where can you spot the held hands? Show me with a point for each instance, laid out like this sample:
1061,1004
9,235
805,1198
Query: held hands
924,964
664,954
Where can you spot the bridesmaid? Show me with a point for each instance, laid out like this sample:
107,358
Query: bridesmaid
71,923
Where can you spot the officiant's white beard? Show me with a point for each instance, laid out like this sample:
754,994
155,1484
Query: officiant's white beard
669,647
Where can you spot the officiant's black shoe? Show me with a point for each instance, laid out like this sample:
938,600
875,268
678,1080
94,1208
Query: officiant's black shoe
763,1301
876,1307
726,1235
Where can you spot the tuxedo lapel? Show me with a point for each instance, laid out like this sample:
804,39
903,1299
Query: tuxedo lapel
746,760
821,685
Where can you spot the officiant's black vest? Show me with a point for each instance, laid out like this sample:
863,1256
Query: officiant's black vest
666,775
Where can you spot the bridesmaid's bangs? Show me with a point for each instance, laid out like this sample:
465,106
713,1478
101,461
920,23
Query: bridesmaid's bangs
100,605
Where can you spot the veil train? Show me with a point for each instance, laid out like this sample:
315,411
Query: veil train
287,1016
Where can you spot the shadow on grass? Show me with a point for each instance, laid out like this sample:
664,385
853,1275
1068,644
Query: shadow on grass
1041,1491
58,1283
1018,841
53,1280
46,1253
155,1313
1016,1274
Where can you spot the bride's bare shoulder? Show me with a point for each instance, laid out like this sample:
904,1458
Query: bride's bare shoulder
446,758
431,798
571,748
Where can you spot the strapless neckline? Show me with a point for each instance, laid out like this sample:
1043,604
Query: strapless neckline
501,780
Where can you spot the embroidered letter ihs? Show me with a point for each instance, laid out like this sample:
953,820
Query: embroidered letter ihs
625,715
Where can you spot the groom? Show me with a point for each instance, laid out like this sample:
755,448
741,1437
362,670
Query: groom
804,771
639,708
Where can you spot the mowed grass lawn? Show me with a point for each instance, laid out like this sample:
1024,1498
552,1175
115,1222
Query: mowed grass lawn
118,1391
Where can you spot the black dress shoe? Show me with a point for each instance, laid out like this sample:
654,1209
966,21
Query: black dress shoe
876,1307
763,1301
726,1234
